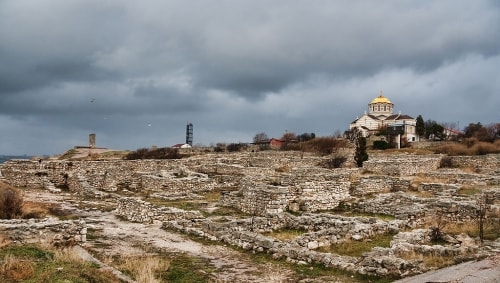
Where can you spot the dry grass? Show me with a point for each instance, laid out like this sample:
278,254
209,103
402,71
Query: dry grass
213,196
34,210
4,241
430,261
283,169
469,191
357,248
11,202
409,150
422,194
422,178
285,234
144,269
16,269
453,228
44,263
476,148
67,254
274,274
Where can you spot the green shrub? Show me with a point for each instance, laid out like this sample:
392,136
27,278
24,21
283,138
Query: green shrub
335,162
158,153
380,145
234,147
446,162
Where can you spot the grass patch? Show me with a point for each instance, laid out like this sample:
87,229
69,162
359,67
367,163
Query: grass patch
213,196
380,216
301,272
429,260
183,204
422,194
345,210
491,229
143,269
34,210
357,248
35,264
226,211
184,268
286,234
468,191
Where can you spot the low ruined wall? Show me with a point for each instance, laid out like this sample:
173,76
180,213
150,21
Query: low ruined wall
402,164
113,175
375,184
300,190
47,231
487,164
136,210
416,209
319,230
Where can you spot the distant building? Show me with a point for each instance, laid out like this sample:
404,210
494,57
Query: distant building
452,134
381,115
181,145
271,143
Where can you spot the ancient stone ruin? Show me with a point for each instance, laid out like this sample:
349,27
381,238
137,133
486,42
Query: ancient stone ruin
274,191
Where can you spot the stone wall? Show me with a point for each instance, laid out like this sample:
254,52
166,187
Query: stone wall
402,164
136,210
169,176
375,184
488,164
418,209
302,189
48,231
317,231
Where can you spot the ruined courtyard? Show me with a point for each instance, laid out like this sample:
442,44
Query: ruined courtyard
416,212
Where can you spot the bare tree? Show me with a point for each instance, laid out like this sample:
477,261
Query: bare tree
260,137
289,136
482,206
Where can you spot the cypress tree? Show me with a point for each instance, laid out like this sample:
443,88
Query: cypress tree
360,155
420,126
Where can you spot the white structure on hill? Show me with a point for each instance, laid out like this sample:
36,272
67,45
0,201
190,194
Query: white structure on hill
381,115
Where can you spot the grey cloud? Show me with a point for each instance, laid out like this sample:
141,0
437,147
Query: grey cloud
235,68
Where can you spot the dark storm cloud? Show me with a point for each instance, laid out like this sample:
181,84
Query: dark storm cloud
235,68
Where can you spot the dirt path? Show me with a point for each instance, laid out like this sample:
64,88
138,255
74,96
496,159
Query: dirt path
109,236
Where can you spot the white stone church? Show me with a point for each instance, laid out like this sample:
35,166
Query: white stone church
380,115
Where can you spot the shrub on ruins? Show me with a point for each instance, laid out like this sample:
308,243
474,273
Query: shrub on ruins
360,154
11,202
380,145
323,145
334,162
235,147
157,153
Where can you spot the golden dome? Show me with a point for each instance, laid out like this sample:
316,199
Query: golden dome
381,99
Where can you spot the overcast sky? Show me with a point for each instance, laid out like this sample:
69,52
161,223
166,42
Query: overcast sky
135,72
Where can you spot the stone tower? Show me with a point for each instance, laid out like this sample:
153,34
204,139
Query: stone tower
92,140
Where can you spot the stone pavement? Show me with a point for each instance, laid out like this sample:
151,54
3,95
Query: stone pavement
483,271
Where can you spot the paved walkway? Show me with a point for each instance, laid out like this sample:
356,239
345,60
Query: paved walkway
483,271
